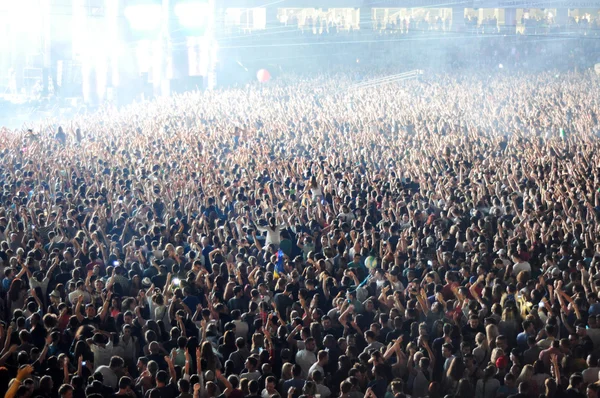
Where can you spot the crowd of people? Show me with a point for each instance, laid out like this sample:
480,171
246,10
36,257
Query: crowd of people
306,238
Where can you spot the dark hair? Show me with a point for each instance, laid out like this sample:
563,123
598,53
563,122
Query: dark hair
65,388
116,362
162,377
253,387
125,382
14,289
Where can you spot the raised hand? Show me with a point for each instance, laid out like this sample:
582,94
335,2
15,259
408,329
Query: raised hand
24,372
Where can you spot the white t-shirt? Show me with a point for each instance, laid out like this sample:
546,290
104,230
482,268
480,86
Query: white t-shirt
522,266
273,235
74,296
241,329
265,394
110,378
590,375
305,359
42,285
102,355
314,368
251,375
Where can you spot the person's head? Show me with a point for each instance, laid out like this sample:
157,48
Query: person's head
297,371
323,357
141,364
576,381
153,368
251,364
474,321
346,387
253,387
183,385
125,384
309,389
447,350
162,378
46,383
240,343
489,372
524,388
24,336
510,380
238,291
116,363
501,342
310,344
270,383
65,391
90,310
464,388
370,336
528,327
317,377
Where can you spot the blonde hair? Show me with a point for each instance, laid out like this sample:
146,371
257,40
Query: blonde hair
491,332
496,353
258,341
481,340
526,374
286,371
508,314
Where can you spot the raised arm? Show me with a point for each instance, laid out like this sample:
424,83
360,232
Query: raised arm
391,349
172,372
105,306
22,374
78,313
226,383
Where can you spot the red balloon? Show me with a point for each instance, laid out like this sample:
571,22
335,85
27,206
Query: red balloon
263,76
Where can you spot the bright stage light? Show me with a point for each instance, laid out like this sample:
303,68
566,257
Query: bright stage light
192,14
144,17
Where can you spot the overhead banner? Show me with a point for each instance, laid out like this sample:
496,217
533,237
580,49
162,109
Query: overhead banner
415,3
324,4
536,4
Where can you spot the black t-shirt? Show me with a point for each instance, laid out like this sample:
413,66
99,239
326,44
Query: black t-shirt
159,281
95,321
160,360
393,335
38,336
170,344
168,391
236,303
282,302
62,278
469,333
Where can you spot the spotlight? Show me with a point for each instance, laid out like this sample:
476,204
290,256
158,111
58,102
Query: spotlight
144,17
192,14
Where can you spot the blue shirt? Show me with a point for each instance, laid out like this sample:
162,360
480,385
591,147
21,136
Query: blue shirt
6,284
594,309
192,302
205,253
522,340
